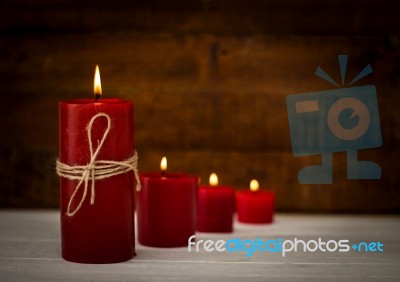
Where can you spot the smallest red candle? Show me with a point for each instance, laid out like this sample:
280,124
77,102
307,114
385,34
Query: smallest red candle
216,205
254,205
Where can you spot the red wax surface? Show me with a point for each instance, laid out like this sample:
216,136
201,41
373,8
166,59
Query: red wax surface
255,207
102,232
166,211
216,205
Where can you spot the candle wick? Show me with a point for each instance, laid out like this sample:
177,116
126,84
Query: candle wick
163,173
97,96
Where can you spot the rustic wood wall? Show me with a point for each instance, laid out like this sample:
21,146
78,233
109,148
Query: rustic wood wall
209,81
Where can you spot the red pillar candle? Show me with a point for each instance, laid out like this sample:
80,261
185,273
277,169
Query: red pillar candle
97,217
166,211
215,207
255,206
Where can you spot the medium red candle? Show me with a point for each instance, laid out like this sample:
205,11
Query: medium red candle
97,216
255,206
215,208
166,211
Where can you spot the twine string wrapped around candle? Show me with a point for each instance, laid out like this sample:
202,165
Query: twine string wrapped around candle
95,169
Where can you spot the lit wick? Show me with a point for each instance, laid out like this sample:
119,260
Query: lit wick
213,180
163,165
254,185
97,84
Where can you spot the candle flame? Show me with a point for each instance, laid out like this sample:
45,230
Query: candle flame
213,179
254,185
163,164
97,82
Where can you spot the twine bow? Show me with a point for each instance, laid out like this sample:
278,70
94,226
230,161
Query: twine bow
95,169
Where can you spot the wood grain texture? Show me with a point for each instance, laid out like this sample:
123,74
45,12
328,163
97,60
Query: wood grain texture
209,81
198,16
30,250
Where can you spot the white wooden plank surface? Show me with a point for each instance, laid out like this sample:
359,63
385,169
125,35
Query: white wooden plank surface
30,251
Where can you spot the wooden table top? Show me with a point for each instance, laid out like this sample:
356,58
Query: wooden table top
30,250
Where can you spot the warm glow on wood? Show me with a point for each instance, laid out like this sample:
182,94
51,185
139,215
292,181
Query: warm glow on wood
254,185
97,82
213,179
163,164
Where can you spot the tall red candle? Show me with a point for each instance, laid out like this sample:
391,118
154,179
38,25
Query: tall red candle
255,206
101,230
166,211
215,208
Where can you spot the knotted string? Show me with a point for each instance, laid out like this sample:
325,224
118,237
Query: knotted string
95,169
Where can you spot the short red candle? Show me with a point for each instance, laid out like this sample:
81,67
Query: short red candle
255,206
215,208
104,231
166,211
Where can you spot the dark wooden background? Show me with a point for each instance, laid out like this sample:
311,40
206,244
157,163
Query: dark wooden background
209,81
